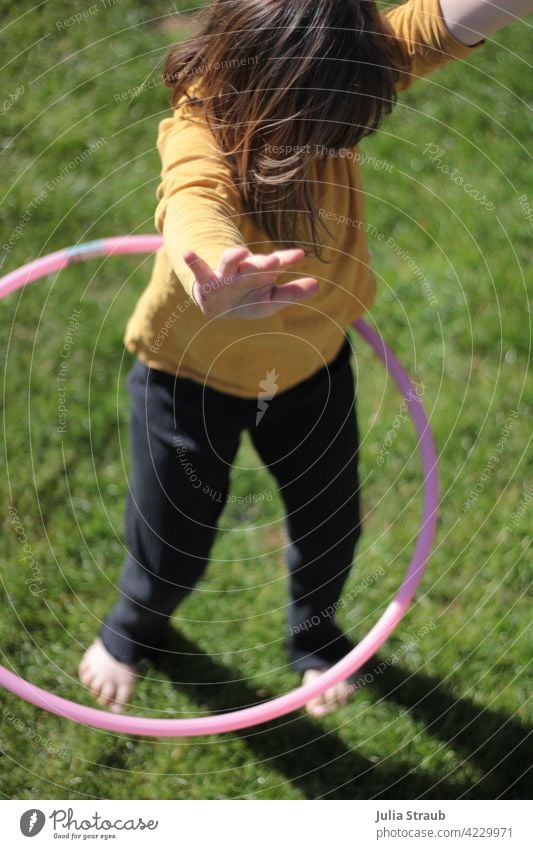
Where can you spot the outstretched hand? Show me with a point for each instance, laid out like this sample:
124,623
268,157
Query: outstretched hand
244,284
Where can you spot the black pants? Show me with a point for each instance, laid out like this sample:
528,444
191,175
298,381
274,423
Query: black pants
183,439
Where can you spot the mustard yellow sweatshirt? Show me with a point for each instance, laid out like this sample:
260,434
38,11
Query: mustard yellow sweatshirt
201,210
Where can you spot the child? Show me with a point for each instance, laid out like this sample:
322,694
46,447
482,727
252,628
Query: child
251,297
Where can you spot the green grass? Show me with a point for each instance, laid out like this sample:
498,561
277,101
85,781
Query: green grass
449,716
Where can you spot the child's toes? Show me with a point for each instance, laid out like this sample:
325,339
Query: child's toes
121,698
313,706
332,698
95,686
316,706
86,677
107,693
84,670
82,674
328,701
343,693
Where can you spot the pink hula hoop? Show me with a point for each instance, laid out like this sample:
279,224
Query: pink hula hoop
368,646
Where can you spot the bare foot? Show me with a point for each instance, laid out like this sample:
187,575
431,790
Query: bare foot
110,682
332,699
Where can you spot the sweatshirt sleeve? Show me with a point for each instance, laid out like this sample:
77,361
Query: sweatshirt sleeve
198,205
423,40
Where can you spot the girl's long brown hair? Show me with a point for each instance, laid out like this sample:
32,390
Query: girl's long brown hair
282,82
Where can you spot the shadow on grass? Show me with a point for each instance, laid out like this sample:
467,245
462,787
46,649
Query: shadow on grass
498,745
319,763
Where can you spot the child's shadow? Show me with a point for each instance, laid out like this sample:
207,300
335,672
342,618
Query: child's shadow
498,745
319,763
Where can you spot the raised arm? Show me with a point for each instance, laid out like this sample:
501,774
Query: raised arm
471,20
421,39
428,33
198,205
198,214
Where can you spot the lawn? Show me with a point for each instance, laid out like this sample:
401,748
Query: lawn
444,712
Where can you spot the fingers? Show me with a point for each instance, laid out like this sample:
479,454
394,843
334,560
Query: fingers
273,262
204,274
239,259
259,264
289,256
198,266
267,300
249,273
195,294
294,292
231,260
